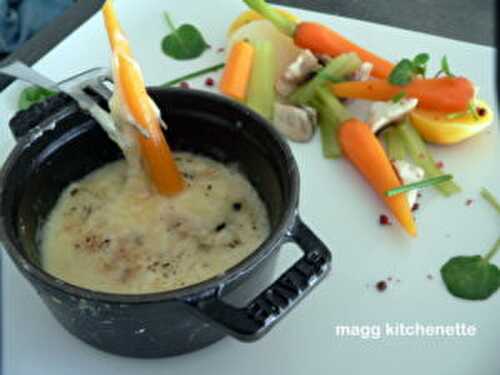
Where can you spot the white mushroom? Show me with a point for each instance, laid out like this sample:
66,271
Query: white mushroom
297,124
409,174
384,113
297,72
363,73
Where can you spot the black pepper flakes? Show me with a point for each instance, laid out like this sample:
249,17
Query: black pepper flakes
220,227
237,206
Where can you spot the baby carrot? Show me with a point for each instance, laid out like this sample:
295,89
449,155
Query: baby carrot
363,149
446,94
320,39
323,40
236,75
155,152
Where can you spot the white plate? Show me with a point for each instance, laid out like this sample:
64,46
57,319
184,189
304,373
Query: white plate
337,204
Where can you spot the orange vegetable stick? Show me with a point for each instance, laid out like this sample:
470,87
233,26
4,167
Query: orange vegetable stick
364,150
238,70
156,154
323,40
318,38
445,94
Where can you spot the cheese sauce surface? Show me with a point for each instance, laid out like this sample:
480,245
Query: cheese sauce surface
111,232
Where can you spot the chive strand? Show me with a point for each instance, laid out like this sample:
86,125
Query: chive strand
419,185
193,75
491,199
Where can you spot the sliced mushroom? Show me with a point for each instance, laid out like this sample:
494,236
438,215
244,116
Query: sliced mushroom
297,72
297,124
364,72
408,174
385,113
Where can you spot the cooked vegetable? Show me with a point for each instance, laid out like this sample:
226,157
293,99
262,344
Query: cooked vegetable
395,145
297,124
156,154
472,277
250,16
417,149
491,199
364,150
238,69
261,94
336,70
438,94
184,43
419,185
319,39
331,115
196,74
441,128
32,95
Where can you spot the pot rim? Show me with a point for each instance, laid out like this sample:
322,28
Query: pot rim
203,289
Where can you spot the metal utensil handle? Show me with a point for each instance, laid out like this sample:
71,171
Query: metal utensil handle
254,320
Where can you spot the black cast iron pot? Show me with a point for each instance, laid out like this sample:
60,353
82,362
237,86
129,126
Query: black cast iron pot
58,144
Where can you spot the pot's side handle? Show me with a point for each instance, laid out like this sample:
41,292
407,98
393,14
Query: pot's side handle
39,113
251,322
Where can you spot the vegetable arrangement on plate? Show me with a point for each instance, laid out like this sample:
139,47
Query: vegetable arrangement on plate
317,77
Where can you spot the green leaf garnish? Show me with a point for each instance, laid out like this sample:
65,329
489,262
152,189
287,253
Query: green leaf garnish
472,277
420,63
491,199
198,73
398,97
32,95
184,43
453,116
473,110
445,67
419,185
402,74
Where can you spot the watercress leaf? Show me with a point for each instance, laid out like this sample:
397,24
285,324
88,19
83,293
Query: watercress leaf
183,43
32,95
398,97
445,67
402,74
471,277
421,59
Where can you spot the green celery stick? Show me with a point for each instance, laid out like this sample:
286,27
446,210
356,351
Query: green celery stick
331,115
421,156
267,11
336,70
395,145
261,93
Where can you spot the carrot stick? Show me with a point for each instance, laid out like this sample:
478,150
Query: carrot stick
364,150
323,40
238,69
155,152
444,94
320,39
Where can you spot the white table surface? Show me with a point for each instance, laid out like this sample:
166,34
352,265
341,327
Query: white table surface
338,206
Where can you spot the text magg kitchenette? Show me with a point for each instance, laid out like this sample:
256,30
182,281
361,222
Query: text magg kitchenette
378,331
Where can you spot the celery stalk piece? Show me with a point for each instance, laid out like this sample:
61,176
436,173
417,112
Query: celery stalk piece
336,70
331,115
261,94
395,146
421,156
267,11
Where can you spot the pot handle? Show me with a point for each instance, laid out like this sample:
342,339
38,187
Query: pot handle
251,322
